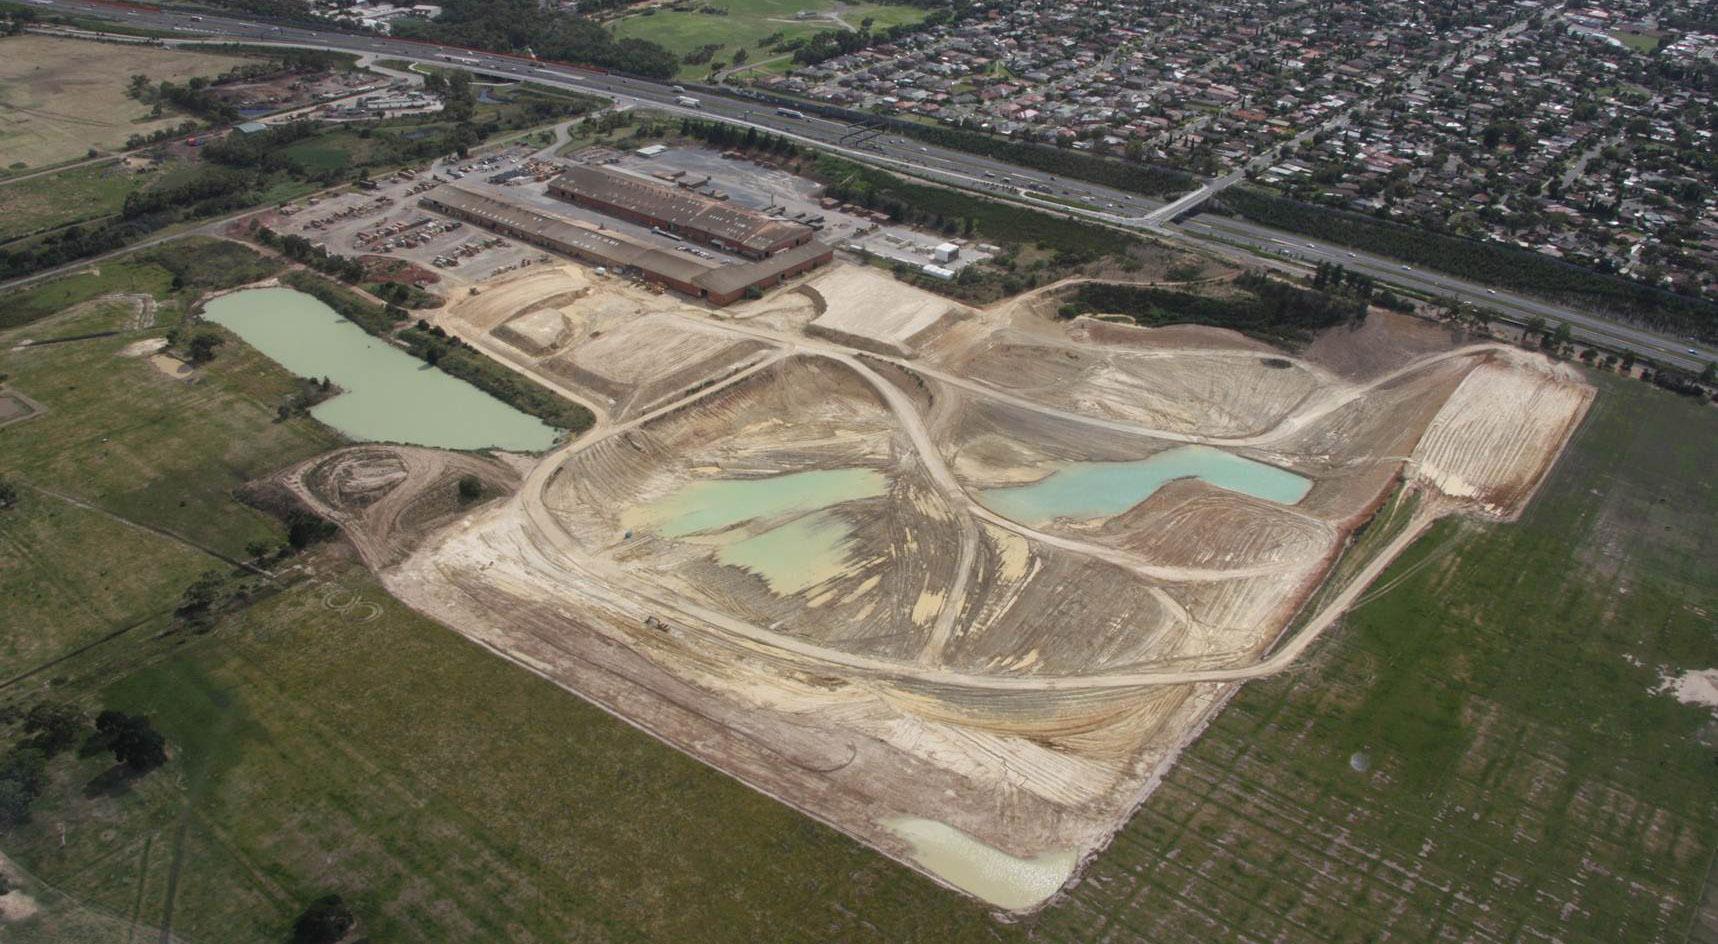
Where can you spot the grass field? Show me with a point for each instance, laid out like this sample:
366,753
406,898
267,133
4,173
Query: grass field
748,22
1639,42
125,437
61,97
1523,782
448,794
70,196
199,263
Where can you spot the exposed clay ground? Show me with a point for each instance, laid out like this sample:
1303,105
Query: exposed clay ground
923,655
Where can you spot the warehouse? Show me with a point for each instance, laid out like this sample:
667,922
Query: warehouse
720,285
679,211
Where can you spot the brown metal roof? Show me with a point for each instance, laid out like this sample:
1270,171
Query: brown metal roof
729,279
681,208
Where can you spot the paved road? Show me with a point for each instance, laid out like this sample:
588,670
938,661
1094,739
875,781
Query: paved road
956,168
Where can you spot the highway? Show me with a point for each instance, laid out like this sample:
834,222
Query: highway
954,168
1520,308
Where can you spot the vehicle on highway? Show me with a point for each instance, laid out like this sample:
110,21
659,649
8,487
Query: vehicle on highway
791,113
687,101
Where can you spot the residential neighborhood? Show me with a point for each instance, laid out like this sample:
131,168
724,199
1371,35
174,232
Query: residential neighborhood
1581,132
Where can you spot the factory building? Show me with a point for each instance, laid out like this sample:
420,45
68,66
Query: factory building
719,284
679,211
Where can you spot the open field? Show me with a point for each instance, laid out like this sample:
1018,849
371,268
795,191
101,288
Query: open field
61,97
70,196
749,21
828,561
316,750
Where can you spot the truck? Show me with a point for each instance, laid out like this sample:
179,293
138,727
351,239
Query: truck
791,113
462,60
687,101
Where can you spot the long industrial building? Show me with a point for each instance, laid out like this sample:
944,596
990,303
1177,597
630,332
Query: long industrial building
678,211
720,285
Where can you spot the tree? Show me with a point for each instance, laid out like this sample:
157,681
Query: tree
8,493
1560,337
201,595
1535,325
133,740
304,529
1709,375
20,781
15,802
470,488
326,920
53,726
202,345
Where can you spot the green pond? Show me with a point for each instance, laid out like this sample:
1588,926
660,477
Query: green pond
1102,489
795,556
390,396
719,504
989,873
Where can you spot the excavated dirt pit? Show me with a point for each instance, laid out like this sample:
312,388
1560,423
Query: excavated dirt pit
616,346
965,607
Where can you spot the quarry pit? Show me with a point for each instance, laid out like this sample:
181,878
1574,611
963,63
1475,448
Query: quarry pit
959,583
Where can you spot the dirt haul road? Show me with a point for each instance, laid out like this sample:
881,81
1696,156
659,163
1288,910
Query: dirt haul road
797,564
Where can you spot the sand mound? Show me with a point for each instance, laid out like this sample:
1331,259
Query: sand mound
539,331
1497,436
540,287
866,309
638,362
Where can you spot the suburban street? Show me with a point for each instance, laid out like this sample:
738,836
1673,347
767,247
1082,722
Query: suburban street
942,165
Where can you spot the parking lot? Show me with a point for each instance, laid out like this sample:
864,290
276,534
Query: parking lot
387,221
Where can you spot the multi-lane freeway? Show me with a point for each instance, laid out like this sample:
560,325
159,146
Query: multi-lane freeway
943,165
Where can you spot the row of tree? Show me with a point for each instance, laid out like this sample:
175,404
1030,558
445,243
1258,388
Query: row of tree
515,26
1130,175
724,136
1269,308
299,249
196,97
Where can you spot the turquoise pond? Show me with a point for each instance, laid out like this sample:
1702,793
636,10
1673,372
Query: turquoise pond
1084,490
389,395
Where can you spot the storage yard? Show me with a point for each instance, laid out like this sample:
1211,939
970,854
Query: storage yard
960,583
